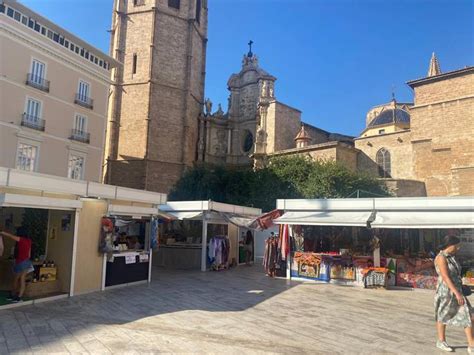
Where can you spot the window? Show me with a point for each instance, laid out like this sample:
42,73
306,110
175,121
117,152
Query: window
17,16
82,52
247,141
384,163
10,12
2,8
83,90
66,43
24,20
86,55
27,157
77,50
38,72
381,131
174,4
50,34
43,31
138,2
56,37
134,64
75,167
198,11
33,110
80,124
31,23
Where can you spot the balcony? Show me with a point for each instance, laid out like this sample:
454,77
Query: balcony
80,136
33,122
84,101
37,82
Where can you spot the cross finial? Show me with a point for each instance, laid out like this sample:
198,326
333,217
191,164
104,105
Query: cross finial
250,54
393,93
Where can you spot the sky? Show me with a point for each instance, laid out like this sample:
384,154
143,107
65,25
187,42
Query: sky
333,59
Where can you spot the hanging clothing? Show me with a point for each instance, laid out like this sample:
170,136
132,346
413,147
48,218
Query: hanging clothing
285,242
270,258
2,248
154,241
218,252
447,309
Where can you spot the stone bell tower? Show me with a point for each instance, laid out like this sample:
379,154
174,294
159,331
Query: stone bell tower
158,92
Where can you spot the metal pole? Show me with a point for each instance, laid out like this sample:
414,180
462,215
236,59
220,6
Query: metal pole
204,243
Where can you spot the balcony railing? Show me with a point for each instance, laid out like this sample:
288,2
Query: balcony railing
33,122
84,101
80,136
37,82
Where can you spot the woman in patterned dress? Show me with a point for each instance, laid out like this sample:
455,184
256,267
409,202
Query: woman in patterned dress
451,307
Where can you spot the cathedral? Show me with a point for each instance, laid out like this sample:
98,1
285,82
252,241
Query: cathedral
160,124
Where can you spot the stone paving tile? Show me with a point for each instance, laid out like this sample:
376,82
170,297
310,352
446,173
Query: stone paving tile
235,312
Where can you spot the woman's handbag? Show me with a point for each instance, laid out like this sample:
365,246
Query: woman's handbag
466,290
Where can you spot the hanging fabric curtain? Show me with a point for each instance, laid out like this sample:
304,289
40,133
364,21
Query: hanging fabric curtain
154,233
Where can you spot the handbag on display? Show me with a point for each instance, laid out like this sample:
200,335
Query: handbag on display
466,290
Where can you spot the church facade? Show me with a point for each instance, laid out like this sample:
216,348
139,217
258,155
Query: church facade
256,124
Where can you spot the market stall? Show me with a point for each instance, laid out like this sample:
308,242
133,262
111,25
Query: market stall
372,242
204,234
51,225
127,236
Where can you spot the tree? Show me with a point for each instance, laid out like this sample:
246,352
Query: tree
284,177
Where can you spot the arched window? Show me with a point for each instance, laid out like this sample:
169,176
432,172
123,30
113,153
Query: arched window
384,163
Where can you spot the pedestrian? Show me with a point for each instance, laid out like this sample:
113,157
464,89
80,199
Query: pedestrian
248,247
23,264
451,306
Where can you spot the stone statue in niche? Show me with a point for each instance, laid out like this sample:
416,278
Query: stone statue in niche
220,149
208,106
264,89
260,135
270,90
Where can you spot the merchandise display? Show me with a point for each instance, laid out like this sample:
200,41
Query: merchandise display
218,252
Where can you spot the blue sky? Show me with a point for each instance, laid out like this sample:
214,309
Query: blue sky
334,59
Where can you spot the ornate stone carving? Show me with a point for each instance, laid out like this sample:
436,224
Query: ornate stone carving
220,148
208,107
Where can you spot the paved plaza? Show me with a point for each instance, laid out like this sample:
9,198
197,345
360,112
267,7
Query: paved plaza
230,312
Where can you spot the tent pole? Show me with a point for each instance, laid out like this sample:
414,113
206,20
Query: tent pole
204,243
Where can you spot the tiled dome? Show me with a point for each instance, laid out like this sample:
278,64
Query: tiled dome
390,116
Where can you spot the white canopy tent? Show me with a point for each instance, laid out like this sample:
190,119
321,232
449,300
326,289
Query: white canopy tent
411,212
210,212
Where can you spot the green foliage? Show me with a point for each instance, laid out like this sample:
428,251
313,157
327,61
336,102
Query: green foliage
35,221
285,177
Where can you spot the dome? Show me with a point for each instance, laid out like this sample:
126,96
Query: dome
390,116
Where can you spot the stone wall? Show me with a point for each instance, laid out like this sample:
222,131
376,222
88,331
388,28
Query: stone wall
283,124
443,135
399,146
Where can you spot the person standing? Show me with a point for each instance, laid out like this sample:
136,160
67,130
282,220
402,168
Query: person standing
248,247
451,306
23,264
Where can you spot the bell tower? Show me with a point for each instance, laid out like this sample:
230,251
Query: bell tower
158,92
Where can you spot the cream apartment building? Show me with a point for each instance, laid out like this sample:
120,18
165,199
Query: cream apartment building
54,90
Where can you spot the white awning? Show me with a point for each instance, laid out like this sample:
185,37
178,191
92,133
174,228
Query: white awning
238,220
196,215
326,218
424,219
28,201
133,211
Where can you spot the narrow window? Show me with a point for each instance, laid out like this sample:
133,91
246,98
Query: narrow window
17,16
24,20
43,31
174,4
66,43
384,164
134,64
198,11
2,8
10,12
